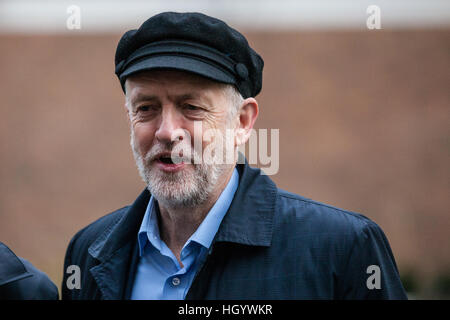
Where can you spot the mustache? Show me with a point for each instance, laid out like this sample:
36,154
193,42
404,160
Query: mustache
178,153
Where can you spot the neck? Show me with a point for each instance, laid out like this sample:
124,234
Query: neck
177,224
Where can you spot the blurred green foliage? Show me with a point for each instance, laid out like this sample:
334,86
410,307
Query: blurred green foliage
410,281
441,285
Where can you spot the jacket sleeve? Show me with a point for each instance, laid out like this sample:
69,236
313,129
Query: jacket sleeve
66,293
371,272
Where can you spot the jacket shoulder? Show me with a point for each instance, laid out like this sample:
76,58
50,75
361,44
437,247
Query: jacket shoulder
20,280
321,216
39,286
345,242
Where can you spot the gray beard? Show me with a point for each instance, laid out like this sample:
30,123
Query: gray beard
186,188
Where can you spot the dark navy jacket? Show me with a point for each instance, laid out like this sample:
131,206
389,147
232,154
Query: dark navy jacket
20,280
272,244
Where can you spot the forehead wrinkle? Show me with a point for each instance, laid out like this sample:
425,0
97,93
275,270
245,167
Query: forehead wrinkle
178,98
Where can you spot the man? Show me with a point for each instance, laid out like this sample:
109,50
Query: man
20,280
205,228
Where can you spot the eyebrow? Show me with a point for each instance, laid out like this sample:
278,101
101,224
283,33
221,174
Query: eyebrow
146,97
143,97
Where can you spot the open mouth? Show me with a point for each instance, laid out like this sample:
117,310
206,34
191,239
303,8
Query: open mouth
166,160
167,163
171,160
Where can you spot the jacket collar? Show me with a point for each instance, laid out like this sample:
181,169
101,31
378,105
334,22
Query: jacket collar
249,220
123,231
116,250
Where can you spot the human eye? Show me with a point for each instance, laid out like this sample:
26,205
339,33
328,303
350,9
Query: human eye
143,108
193,111
146,108
191,107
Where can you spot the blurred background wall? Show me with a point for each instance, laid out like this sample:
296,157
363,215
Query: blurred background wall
363,117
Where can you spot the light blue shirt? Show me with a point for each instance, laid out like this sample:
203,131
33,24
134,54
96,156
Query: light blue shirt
159,275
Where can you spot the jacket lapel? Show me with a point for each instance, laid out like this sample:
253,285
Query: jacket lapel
115,250
249,220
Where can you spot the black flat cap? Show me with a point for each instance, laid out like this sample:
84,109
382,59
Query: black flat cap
191,42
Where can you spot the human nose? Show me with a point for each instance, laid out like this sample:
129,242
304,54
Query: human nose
169,129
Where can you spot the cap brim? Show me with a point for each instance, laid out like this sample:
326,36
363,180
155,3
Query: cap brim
176,62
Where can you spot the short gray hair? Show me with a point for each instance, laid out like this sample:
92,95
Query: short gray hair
235,98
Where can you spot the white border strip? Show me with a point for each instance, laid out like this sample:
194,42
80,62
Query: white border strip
101,16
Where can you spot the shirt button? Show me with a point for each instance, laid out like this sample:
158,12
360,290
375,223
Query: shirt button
176,281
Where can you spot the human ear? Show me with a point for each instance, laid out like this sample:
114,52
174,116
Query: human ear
248,112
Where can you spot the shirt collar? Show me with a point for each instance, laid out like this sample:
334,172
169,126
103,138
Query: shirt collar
204,235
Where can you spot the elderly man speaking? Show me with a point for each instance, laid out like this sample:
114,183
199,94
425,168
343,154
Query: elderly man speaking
208,229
